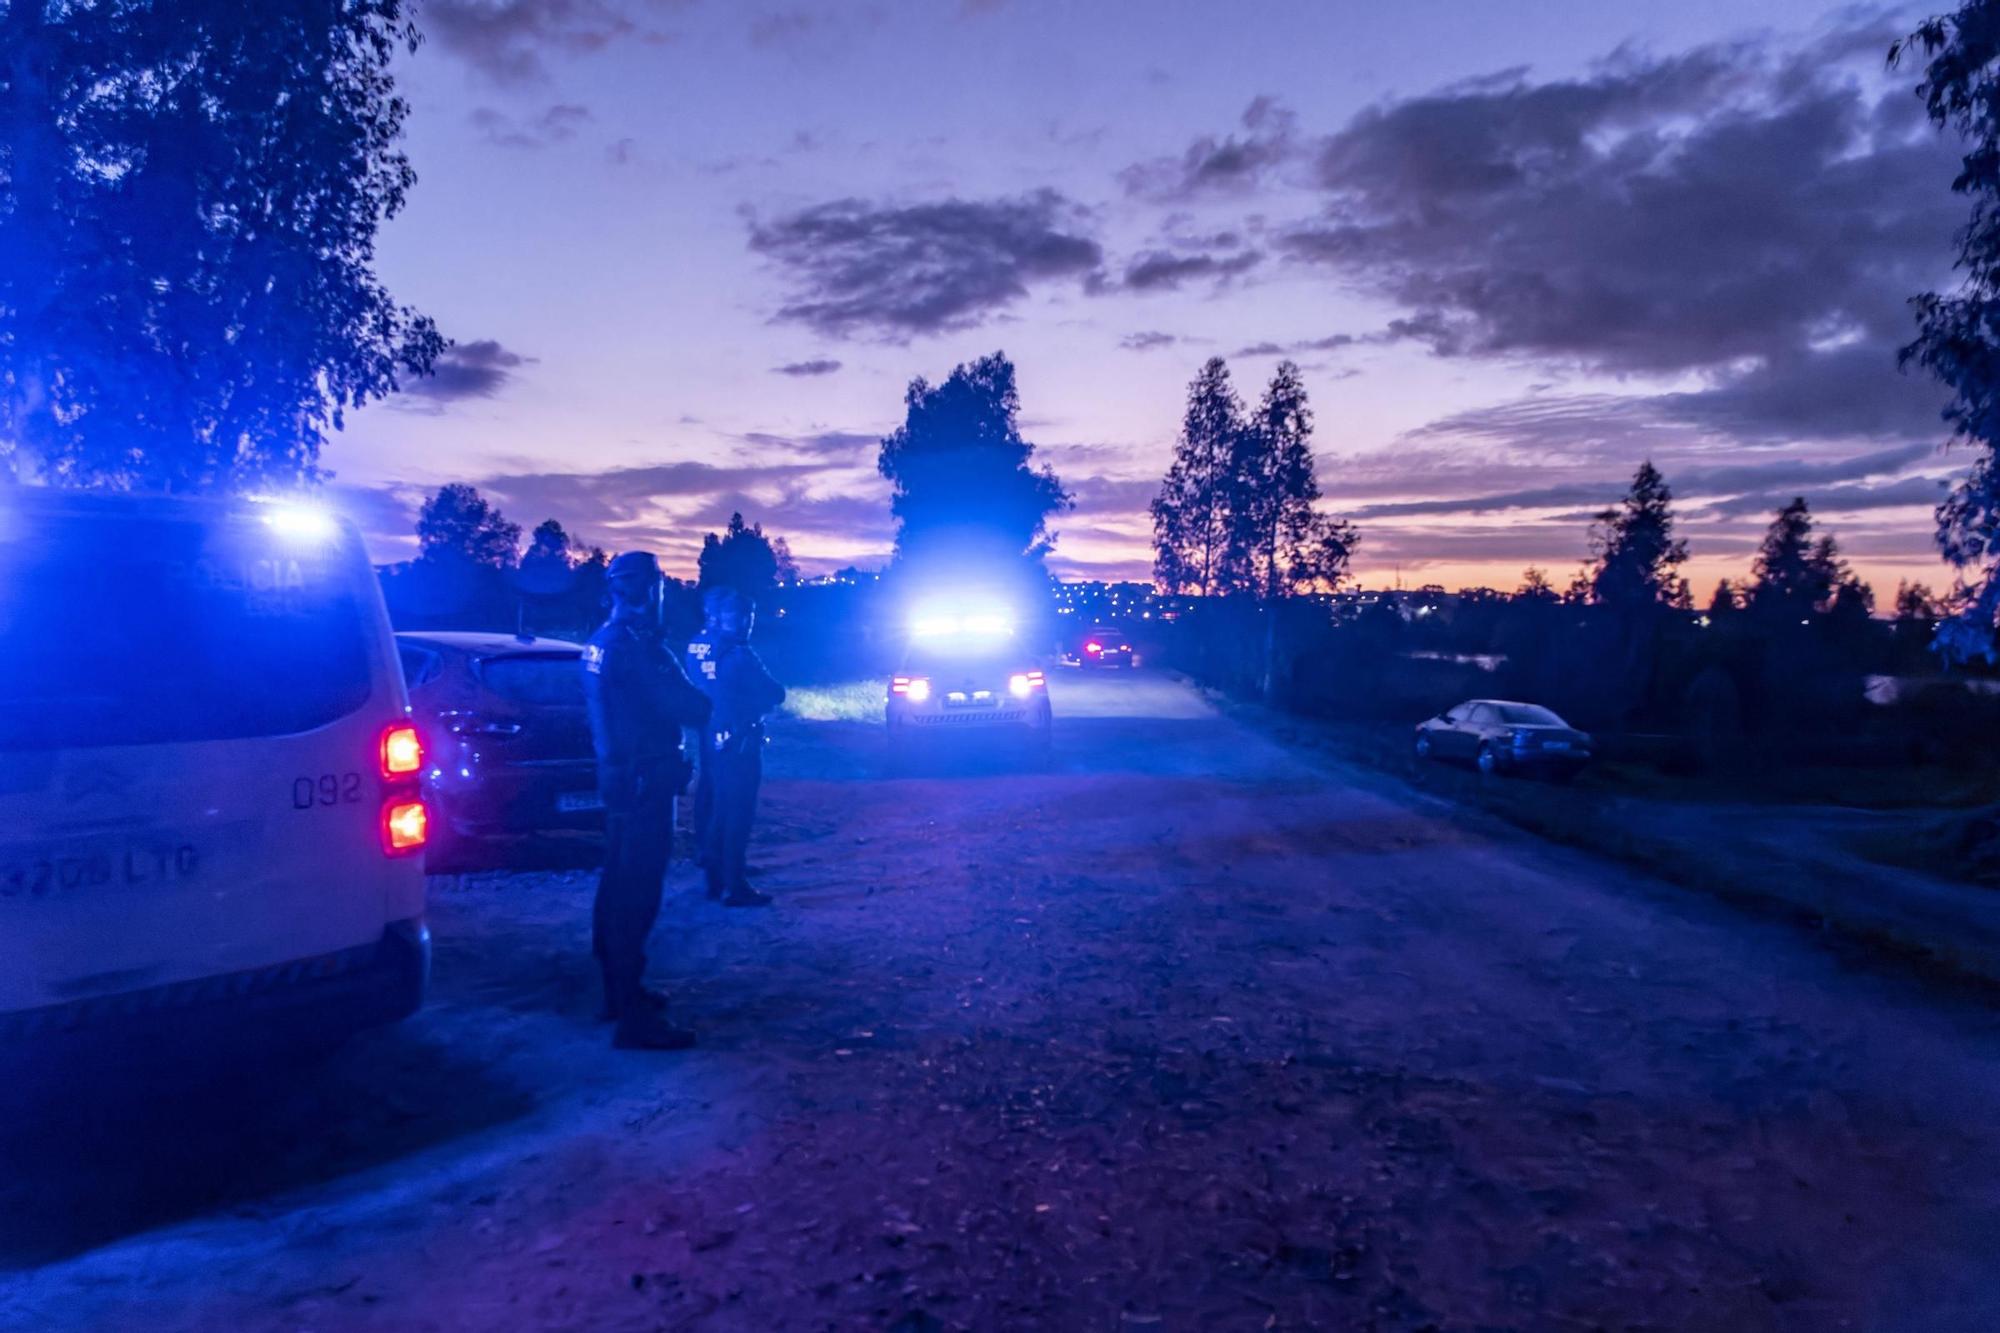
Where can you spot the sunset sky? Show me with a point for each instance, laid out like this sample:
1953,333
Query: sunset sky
693,251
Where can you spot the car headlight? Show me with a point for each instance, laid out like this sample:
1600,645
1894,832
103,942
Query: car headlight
918,690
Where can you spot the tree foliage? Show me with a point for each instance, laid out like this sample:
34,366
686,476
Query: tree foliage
1236,510
189,196
965,486
1795,573
743,558
1635,547
1958,334
1191,516
460,524
1535,585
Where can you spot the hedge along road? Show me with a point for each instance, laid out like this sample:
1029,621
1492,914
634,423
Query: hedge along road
1190,1032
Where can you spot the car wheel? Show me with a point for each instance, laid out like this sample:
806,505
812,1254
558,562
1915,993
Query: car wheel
1423,745
1489,759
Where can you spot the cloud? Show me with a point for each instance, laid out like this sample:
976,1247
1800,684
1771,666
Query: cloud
477,369
1754,215
833,445
555,125
785,25
507,40
1333,342
1899,494
641,496
806,369
1232,164
1161,271
859,515
1101,497
1148,341
895,272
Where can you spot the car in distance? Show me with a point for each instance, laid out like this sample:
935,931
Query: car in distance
1101,646
967,680
210,811
509,738
1502,736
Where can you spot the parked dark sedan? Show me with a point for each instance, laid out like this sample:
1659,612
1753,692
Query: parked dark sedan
506,738
1505,737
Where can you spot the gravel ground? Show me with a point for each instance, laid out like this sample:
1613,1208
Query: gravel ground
1192,1032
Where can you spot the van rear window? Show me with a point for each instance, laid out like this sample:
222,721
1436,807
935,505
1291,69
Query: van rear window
117,629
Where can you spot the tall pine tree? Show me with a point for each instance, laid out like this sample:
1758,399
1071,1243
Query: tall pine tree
1192,513
1635,547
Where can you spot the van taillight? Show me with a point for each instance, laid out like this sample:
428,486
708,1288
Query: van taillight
406,825
402,751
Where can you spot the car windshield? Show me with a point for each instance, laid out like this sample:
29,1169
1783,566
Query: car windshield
538,679
124,630
1528,715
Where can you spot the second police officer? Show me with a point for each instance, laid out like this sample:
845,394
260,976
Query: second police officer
740,692
639,699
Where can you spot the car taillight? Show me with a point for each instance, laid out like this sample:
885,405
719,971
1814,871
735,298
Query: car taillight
1093,647
402,751
406,825
1024,683
914,688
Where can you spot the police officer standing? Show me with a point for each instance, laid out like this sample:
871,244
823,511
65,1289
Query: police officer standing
740,693
639,699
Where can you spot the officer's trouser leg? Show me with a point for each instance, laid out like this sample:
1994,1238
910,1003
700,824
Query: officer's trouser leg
739,772
638,843
704,812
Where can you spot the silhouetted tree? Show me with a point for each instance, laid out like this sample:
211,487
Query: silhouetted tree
1796,574
965,487
1191,514
1725,602
1535,586
188,210
743,558
1958,335
1915,601
458,523
1293,546
546,566
1634,543
1235,512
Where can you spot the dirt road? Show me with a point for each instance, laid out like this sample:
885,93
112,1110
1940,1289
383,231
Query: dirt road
1191,1033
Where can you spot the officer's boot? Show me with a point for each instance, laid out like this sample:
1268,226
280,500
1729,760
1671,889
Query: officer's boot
644,1028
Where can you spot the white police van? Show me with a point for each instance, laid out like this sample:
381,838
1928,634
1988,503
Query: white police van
209,810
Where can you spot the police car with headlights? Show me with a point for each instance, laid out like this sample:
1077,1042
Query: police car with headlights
967,678
209,802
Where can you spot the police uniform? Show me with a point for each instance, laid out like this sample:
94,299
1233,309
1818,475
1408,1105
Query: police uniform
638,700
700,663
740,692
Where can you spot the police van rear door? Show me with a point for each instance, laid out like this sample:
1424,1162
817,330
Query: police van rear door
193,705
